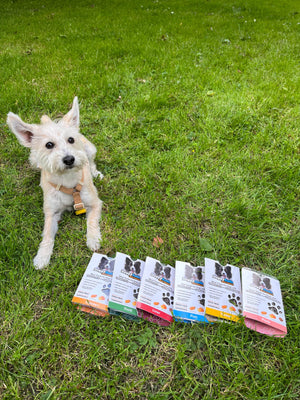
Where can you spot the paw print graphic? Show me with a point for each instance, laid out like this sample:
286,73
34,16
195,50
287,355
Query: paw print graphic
274,308
201,299
106,289
136,293
235,301
168,299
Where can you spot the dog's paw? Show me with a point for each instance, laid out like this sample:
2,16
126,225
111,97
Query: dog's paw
41,261
93,243
98,174
95,173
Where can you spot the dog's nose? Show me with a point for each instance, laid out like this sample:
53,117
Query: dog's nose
68,160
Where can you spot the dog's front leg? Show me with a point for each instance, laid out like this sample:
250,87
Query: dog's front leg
46,246
93,228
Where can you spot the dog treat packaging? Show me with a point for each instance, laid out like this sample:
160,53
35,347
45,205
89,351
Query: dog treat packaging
222,291
156,294
189,293
92,311
94,288
263,306
125,286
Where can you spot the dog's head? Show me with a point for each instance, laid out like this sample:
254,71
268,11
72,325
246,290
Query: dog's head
106,264
223,272
103,264
55,147
193,273
261,282
132,266
162,271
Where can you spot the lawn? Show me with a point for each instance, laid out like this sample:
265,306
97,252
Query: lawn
194,108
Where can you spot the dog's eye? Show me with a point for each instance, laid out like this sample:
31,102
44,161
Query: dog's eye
71,140
50,145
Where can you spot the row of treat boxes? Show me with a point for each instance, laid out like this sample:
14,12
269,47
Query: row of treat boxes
161,293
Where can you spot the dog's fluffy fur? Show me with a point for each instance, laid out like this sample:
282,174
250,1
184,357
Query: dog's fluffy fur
62,162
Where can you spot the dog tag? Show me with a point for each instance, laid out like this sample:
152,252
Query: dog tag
80,212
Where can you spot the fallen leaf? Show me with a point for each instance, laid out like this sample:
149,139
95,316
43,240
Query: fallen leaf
205,245
157,241
210,93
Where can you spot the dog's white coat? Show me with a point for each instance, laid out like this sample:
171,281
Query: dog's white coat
54,170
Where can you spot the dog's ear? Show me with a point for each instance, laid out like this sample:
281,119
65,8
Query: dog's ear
167,271
199,273
72,117
188,271
157,268
137,266
255,279
45,119
218,268
128,264
267,283
24,132
228,271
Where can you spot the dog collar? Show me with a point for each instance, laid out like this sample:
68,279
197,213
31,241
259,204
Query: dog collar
75,192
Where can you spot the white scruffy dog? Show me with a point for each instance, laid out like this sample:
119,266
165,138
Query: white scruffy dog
66,160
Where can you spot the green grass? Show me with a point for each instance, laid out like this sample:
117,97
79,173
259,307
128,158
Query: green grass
201,149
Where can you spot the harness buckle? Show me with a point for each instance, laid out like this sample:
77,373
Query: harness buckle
78,206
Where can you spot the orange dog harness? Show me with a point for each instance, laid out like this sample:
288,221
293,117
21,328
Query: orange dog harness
75,192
